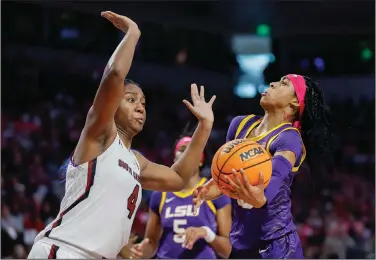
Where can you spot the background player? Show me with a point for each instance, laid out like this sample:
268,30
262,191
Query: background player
173,231
262,219
103,176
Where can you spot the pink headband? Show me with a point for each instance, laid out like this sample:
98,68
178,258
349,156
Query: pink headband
184,142
300,89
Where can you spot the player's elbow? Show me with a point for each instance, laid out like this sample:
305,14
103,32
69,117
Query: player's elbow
178,184
114,71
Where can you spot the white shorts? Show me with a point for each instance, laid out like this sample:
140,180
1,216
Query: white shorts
51,249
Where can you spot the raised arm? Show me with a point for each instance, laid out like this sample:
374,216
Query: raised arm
100,119
161,178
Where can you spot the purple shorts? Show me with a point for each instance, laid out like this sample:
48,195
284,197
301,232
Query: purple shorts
285,247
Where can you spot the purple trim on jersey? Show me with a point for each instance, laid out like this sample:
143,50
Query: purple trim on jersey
221,202
92,165
155,201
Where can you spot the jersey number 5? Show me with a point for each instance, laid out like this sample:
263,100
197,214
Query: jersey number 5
132,200
177,227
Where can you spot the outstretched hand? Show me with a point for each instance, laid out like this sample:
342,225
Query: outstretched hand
120,21
243,190
201,109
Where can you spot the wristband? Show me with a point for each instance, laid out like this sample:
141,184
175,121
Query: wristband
210,235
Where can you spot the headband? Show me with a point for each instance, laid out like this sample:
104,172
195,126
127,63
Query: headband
184,142
300,87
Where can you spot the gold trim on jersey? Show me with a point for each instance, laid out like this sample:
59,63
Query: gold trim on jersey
211,206
163,199
242,124
259,137
183,195
294,169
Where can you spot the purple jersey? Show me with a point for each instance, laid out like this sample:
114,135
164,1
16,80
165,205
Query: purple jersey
274,220
175,210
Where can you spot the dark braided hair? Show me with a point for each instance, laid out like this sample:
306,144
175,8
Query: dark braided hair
316,129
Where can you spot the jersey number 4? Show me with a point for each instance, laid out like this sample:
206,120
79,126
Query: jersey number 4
132,200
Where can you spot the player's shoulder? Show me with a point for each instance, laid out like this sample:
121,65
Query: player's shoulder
290,133
236,121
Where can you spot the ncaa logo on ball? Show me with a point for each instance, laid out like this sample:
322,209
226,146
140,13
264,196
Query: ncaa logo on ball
251,153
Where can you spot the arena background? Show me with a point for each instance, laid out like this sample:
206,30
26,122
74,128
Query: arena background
53,55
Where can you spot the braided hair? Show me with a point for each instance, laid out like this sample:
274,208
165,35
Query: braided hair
316,129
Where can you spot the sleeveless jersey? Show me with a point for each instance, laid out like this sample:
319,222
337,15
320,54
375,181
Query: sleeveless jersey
100,203
275,220
175,210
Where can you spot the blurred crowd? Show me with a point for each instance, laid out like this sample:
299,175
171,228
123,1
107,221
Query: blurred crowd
334,211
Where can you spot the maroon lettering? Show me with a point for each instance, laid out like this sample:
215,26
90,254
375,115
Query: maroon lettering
126,167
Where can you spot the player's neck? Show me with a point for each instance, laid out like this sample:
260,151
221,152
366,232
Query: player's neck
125,138
271,119
193,182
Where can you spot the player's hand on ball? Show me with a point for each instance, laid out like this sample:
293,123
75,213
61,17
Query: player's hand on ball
192,234
200,108
137,250
251,194
120,21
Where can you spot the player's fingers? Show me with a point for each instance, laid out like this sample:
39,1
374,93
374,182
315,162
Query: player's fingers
136,253
196,207
194,93
232,184
211,101
261,179
112,13
144,242
108,15
245,180
202,93
191,241
237,179
187,234
132,239
189,105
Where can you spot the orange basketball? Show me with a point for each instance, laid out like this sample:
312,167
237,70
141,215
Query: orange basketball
237,154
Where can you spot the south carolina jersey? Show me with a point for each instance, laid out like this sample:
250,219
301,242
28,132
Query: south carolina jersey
100,203
175,210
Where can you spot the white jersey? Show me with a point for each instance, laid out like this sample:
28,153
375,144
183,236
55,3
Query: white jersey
100,203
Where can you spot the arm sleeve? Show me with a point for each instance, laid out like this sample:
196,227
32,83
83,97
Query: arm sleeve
289,140
221,202
155,200
281,169
233,127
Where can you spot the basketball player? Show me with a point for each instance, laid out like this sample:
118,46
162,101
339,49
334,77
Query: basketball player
294,122
104,177
173,231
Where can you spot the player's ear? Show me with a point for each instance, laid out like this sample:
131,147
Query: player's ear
294,105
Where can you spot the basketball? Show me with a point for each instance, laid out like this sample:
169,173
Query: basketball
237,154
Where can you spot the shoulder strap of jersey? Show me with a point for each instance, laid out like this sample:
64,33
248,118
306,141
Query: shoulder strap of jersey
163,199
242,124
294,169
